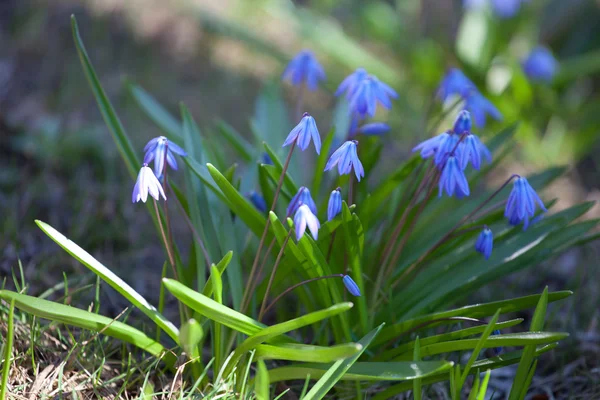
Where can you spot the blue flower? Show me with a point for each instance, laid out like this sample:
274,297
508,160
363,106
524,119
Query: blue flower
462,124
453,179
303,132
305,218
367,93
351,286
302,197
485,243
346,158
429,147
522,203
455,83
496,350
334,207
157,148
470,151
447,146
506,8
479,106
258,201
374,129
540,65
266,159
304,68
145,184
350,83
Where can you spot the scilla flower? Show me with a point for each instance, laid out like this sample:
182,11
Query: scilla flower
351,286
367,93
540,65
305,218
302,197
145,184
334,207
453,179
258,201
303,133
522,203
350,83
485,243
479,107
346,158
506,8
455,83
304,68
157,148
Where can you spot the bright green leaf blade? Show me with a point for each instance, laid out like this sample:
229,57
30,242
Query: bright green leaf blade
262,381
364,371
510,339
221,266
339,369
321,162
388,354
537,323
106,108
190,335
484,385
480,343
472,311
488,363
238,203
307,353
87,320
109,277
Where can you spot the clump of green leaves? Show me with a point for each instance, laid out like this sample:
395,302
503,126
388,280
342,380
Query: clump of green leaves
321,342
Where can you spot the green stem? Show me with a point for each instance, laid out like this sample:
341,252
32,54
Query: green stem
8,344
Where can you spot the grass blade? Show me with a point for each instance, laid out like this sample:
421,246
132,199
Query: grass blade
8,344
338,369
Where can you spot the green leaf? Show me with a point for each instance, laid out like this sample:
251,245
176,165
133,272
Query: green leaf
104,105
276,169
307,353
472,311
221,266
339,369
88,320
488,363
322,161
364,371
155,111
262,381
7,346
444,337
520,384
109,277
238,203
215,311
510,339
484,385
417,389
190,335
354,238
480,343
235,139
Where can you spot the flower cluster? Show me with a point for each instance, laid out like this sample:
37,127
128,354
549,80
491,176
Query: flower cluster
455,83
364,92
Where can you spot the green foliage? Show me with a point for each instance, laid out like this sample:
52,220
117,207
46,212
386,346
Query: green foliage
408,337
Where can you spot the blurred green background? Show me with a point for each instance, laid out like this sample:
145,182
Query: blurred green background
58,163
